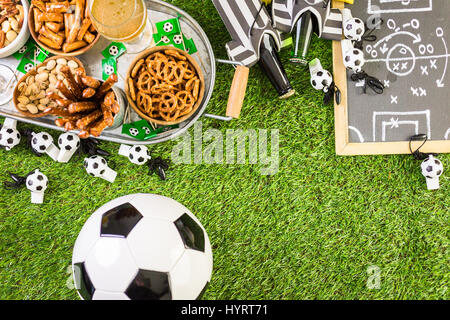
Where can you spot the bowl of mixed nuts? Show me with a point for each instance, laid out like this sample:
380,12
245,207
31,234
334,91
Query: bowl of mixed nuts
14,26
31,93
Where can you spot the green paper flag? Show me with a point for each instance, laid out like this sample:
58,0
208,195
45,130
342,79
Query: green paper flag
109,66
114,50
168,27
25,65
27,47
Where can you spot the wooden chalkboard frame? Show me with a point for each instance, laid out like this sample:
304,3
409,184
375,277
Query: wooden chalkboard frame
343,146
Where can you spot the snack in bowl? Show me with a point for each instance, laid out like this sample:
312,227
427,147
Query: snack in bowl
11,21
84,103
30,96
62,26
165,85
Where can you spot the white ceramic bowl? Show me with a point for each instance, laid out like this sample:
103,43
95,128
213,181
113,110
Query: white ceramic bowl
22,37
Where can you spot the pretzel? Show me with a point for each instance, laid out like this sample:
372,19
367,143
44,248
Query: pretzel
88,93
86,120
74,86
107,114
76,107
106,86
64,90
98,127
165,85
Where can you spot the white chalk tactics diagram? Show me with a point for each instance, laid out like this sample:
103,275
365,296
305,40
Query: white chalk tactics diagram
412,53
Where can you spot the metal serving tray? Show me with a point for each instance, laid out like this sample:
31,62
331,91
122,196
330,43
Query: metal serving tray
157,11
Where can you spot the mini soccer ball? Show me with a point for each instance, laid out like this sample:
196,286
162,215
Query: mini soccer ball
41,141
95,166
109,69
9,138
178,39
37,182
134,132
354,60
147,130
167,27
148,247
165,39
68,141
432,169
113,50
139,155
321,80
354,29
28,67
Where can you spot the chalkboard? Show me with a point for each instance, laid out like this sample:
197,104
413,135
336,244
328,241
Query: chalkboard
411,57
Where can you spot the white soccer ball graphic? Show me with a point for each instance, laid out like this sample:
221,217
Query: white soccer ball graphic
134,132
95,166
142,246
354,60
28,67
321,80
113,50
68,141
37,182
178,39
9,138
23,49
354,29
109,69
432,168
167,27
165,39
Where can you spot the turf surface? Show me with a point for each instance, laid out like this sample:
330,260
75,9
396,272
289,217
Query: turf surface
308,232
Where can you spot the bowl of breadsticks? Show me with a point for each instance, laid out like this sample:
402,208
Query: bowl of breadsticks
165,85
14,26
63,28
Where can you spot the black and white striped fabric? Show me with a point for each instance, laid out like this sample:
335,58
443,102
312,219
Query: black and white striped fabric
239,16
285,14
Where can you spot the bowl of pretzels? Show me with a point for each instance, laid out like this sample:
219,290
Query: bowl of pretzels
165,85
62,27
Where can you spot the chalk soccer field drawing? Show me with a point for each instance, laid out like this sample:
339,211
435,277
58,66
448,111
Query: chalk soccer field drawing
411,53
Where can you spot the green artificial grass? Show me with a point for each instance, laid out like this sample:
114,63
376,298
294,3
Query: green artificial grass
308,232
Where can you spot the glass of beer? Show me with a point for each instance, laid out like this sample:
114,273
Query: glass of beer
123,21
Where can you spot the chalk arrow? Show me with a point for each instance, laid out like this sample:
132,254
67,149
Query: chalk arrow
418,39
439,84
384,48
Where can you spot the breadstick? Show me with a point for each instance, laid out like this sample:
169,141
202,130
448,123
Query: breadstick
68,47
60,112
55,17
48,42
81,106
97,128
60,122
37,21
39,4
110,98
106,86
115,108
67,18
75,28
88,93
84,28
54,26
84,134
51,35
74,86
86,120
65,91
70,125
90,82
89,37
57,7
107,114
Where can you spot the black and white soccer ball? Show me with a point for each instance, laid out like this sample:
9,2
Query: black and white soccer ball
109,69
113,50
139,155
23,49
9,138
95,166
432,168
133,131
354,29
178,39
142,247
354,59
147,130
28,67
168,27
321,80
68,141
165,39
37,181
41,141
